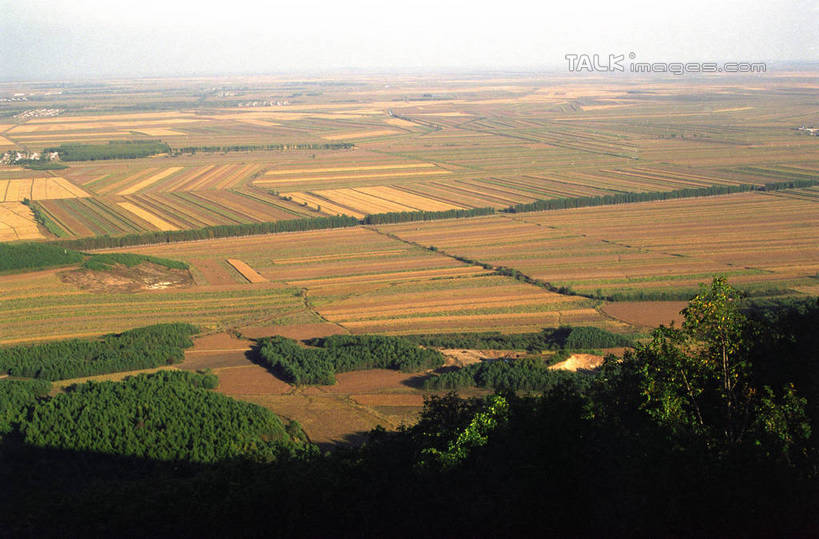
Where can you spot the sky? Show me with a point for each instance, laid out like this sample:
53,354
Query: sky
87,39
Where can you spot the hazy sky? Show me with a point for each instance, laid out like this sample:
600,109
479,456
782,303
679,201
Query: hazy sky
52,39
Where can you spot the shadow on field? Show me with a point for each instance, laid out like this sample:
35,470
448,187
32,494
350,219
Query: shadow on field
254,356
352,439
417,381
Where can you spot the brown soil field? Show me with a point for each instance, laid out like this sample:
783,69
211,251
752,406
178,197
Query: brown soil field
249,379
214,359
216,342
327,419
374,380
145,276
380,399
216,351
214,273
646,313
297,331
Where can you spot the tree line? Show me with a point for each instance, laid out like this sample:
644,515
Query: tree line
115,149
568,337
627,198
410,216
327,356
141,348
40,164
208,232
31,256
526,374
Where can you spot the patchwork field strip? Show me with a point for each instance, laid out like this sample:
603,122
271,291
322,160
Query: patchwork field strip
361,134
368,282
39,305
753,238
174,179
150,180
134,125
106,215
158,222
348,169
247,272
305,179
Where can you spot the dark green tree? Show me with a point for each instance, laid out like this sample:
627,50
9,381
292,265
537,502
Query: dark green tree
695,381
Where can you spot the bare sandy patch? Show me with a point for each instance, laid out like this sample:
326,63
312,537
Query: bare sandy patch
145,276
459,357
579,362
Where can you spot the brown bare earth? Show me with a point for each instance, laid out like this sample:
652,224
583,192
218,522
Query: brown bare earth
381,399
296,331
326,418
646,313
579,362
374,380
249,379
216,351
145,276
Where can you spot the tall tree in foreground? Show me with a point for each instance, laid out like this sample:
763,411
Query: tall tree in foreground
696,382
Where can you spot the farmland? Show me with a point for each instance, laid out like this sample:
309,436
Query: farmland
16,190
759,240
17,223
469,143
366,282
206,153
